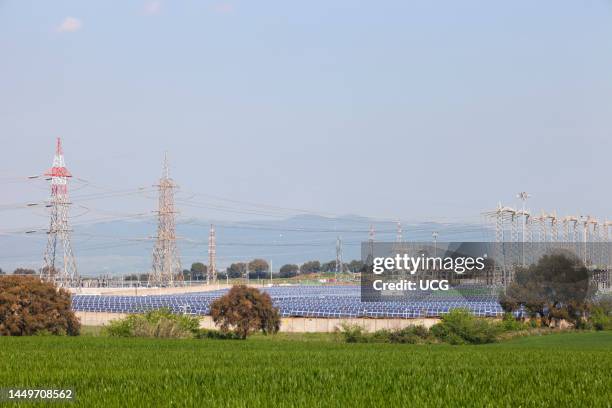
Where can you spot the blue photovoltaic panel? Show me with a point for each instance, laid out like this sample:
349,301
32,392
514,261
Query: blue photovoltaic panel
303,301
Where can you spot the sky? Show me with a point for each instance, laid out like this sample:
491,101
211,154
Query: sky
419,110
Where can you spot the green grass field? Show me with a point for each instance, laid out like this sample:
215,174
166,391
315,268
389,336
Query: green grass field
562,370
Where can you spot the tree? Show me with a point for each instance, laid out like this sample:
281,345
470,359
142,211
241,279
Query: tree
557,287
289,271
258,268
1,271
244,310
310,267
49,271
236,270
24,271
29,305
198,271
355,266
329,266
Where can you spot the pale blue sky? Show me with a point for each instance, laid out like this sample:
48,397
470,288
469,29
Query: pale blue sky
410,109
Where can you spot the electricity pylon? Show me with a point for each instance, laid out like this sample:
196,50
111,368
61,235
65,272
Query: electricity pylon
212,255
166,262
59,228
339,261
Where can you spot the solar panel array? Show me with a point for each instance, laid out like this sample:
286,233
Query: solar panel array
306,301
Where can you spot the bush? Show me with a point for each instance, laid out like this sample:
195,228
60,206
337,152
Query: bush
410,335
244,310
217,334
406,336
459,326
600,316
510,323
600,319
354,333
160,323
121,327
29,306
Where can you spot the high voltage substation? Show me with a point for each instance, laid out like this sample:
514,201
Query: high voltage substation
575,231
522,237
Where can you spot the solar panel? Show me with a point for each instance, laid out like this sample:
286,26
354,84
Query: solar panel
306,301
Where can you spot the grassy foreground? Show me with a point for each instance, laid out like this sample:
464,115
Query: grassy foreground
571,369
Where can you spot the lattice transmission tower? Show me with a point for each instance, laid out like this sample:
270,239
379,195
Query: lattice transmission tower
65,275
339,261
212,255
371,235
399,244
399,234
166,262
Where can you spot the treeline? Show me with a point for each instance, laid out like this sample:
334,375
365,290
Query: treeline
259,269
292,270
20,271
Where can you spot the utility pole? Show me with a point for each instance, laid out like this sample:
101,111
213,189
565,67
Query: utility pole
166,262
59,228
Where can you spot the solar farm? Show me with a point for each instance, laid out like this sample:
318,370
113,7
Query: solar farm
309,301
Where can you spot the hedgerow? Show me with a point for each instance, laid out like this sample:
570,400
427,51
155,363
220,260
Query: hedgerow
457,327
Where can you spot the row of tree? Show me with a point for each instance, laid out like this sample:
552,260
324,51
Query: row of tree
21,271
258,269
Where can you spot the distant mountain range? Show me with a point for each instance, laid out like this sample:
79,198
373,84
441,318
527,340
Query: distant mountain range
123,247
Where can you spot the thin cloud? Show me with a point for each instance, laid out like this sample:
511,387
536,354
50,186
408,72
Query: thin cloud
70,25
153,7
224,8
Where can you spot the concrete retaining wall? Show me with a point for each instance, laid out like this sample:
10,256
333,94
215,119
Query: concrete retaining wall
288,324
322,325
